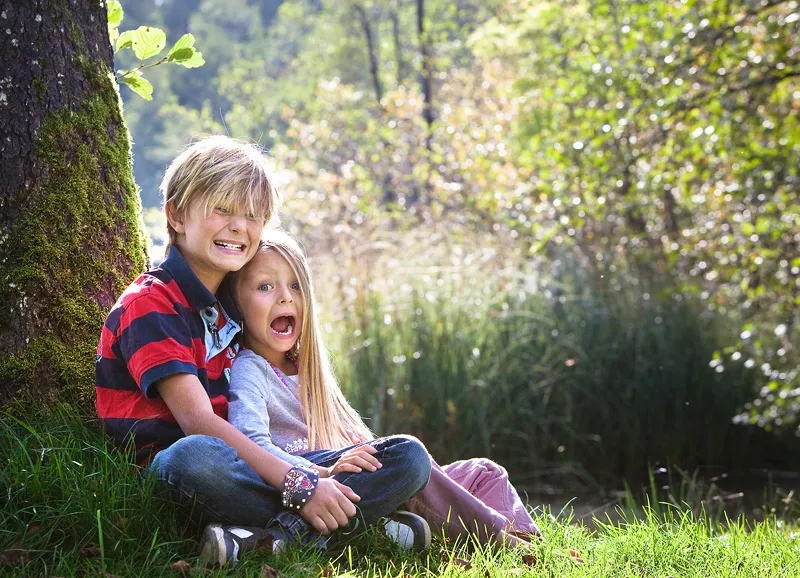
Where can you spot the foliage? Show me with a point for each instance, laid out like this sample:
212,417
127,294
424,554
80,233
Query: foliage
147,42
75,507
665,135
653,140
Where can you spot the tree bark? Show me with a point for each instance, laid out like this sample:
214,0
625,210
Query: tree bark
426,82
402,66
371,52
70,228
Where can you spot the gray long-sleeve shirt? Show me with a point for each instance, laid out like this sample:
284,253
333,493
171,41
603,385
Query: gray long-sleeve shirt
266,409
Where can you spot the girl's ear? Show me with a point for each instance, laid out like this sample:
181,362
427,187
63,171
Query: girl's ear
175,218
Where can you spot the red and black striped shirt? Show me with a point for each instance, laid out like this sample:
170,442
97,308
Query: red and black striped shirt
165,323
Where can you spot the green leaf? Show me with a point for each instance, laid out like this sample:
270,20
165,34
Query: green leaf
125,40
115,14
185,41
138,84
148,41
181,54
195,61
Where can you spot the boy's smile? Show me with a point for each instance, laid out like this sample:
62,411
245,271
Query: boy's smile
215,244
271,301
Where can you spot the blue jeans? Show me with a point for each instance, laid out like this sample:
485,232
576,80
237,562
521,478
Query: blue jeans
225,489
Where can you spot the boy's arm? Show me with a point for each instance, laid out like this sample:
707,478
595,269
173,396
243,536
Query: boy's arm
331,504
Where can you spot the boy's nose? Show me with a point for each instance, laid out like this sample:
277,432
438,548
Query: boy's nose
237,223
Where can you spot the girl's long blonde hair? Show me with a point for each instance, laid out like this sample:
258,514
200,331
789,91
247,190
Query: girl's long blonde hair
332,422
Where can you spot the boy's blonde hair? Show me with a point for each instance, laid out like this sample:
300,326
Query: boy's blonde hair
219,171
332,422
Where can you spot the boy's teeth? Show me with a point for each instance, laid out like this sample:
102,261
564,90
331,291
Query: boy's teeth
229,246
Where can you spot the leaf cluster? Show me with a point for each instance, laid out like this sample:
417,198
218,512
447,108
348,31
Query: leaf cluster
147,42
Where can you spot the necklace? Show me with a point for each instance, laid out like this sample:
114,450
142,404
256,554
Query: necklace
279,373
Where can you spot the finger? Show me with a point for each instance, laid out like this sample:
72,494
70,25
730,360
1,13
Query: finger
345,467
348,508
320,526
347,491
373,460
363,463
330,522
339,514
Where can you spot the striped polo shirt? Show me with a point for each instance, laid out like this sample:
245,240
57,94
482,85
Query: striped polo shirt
165,323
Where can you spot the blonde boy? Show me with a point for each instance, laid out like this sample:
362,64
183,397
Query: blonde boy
165,352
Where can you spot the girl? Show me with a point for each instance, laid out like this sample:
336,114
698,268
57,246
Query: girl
286,399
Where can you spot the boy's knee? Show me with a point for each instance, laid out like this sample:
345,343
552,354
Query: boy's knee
416,461
195,458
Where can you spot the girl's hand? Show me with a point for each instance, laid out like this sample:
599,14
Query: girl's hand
322,471
357,460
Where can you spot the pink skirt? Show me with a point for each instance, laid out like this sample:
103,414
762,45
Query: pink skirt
472,497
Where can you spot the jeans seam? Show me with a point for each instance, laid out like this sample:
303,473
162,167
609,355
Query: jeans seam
196,500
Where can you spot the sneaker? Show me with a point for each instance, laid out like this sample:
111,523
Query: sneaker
221,545
408,530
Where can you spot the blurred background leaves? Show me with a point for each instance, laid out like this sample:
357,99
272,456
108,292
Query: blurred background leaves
561,234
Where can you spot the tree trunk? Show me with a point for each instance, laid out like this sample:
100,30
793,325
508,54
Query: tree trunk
70,228
426,81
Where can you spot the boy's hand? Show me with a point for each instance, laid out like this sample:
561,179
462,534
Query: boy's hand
330,507
356,460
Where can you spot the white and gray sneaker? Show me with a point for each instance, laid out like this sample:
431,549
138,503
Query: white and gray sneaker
221,545
408,530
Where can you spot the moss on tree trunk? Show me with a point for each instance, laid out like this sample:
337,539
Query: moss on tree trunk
71,236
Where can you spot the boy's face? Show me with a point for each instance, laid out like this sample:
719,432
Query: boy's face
215,244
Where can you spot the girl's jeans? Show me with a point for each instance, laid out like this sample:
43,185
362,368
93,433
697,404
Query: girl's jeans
225,489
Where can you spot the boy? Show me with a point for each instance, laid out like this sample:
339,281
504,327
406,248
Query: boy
164,358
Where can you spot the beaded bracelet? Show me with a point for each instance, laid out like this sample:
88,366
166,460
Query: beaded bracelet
298,486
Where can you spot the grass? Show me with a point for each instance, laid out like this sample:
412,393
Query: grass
73,507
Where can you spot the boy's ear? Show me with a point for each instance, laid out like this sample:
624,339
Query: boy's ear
175,218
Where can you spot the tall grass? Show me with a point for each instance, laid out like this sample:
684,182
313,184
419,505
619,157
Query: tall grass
549,372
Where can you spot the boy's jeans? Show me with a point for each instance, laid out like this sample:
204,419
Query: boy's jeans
226,489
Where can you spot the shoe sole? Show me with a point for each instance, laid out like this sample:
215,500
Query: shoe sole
212,546
418,526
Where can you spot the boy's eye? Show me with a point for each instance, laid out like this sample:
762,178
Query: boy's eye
264,287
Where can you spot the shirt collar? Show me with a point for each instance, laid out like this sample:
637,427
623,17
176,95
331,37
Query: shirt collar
196,293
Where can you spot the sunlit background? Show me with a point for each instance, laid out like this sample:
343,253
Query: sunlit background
560,234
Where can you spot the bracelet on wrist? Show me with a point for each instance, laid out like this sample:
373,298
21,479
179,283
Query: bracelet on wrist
298,487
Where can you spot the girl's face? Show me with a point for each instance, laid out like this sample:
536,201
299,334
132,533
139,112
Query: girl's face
269,296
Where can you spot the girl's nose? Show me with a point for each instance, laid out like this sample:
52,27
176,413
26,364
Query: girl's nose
285,296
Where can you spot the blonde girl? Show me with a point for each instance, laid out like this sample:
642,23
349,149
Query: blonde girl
286,399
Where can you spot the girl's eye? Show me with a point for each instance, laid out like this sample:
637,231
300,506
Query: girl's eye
264,287
296,286
222,210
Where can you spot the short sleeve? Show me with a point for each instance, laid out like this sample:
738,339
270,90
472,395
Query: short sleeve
155,341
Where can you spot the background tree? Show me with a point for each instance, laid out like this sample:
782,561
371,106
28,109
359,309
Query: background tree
70,228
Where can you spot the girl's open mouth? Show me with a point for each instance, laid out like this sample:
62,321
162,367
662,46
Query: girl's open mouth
283,325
